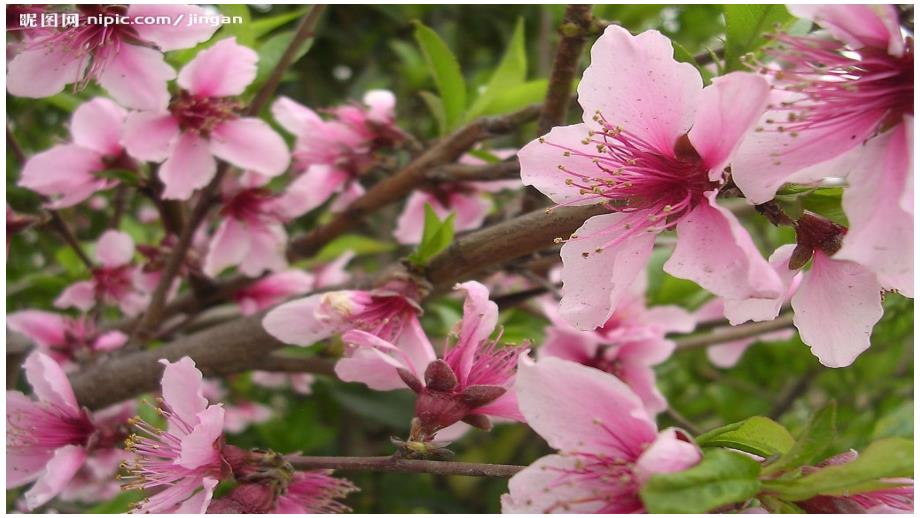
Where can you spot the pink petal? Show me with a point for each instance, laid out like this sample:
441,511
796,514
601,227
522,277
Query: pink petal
881,233
761,309
470,209
296,322
480,315
42,327
381,104
294,117
415,347
251,144
136,77
266,250
635,83
310,190
150,135
857,25
594,285
62,170
334,273
575,346
168,37
542,158
668,454
727,109
190,166
183,389
836,307
223,70
352,191
114,249
198,448
199,502
537,489
410,224
110,341
670,319
80,295
58,473
374,368
43,71
646,352
228,247
22,466
728,354
579,408
49,382
640,377
716,252
97,125
505,407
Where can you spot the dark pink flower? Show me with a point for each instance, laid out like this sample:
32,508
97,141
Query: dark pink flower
608,444
203,122
125,59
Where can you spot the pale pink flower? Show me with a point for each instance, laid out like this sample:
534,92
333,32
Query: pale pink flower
125,59
49,440
653,147
277,287
299,383
466,200
63,339
96,480
115,280
471,383
628,345
843,106
203,122
69,173
383,312
307,492
609,445
898,499
183,463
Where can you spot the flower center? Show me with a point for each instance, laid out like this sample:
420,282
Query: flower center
248,205
610,481
113,282
834,87
202,114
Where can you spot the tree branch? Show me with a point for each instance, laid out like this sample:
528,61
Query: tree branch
576,25
61,227
507,170
397,465
721,335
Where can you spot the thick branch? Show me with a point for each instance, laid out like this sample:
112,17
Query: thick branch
508,170
393,464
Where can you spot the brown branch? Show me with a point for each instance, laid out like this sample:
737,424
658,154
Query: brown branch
397,186
508,170
575,28
727,334
59,225
397,465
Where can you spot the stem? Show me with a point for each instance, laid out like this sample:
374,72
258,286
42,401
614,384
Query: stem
58,223
509,170
576,25
393,464
728,334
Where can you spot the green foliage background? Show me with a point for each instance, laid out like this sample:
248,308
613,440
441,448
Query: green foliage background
363,47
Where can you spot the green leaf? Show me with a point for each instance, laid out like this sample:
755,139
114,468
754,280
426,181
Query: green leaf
683,55
758,435
811,443
445,69
511,72
436,236
436,107
360,245
119,504
242,31
745,26
721,478
887,458
271,51
263,26
827,202
516,97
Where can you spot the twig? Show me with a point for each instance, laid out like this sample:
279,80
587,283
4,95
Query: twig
59,225
508,170
576,25
729,334
15,147
799,388
393,464
684,423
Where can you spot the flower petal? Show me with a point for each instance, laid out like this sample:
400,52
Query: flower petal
668,454
310,190
410,224
761,309
58,473
836,307
559,157
571,345
190,166
114,249
635,83
198,447
136,77
857,25
42,327
251,144
229,246
43,71
296,322
150,135
80,295
62,170
97,125
225,69
537,489
183,389
169,36
49,382
370,366
296,118
198,503
266,250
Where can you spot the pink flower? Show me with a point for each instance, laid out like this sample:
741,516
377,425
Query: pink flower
608,444
898,499
843,106
277,287
302,492
299,383
472,381
382,312
727,354
187,456
49,440
63,339
653,148
115,280
203,121
96,480
125,59
69,173
628,345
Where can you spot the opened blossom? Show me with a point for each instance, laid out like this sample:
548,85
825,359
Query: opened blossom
628,345
333,153
70,173
204,121
470,383
50,439
608,444
62,338
125,59
842,106
114,281
653,147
